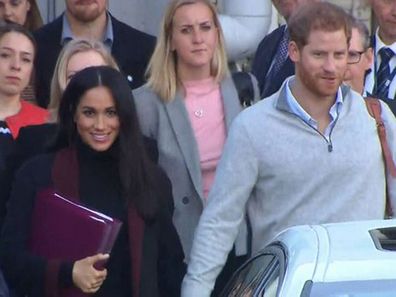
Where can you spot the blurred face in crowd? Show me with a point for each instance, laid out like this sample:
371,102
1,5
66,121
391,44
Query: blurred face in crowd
321,63
385,13
86,11
287,7
359,60
97,120
14,10
16,63
82,60
194,39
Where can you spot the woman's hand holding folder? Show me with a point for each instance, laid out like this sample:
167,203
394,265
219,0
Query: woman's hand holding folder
86,277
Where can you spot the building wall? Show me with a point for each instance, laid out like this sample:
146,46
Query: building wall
359,8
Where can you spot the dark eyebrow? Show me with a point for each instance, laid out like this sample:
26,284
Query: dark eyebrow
13,50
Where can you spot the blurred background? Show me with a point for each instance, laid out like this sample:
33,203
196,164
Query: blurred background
244,23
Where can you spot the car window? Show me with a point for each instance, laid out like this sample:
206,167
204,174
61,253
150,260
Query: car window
249,276
259,277
271,288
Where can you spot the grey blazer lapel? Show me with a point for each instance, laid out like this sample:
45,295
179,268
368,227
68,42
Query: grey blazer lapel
185,139
230,99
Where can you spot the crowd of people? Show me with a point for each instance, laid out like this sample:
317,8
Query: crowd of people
155,132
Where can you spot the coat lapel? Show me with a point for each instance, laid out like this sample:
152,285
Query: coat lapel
65,173
231,104
185,138
136,235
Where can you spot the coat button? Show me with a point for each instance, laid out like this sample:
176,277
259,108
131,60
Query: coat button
185,200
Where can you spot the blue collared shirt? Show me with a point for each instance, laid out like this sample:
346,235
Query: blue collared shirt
67,34
297,109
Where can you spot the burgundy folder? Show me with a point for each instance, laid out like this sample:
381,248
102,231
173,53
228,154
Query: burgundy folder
63,229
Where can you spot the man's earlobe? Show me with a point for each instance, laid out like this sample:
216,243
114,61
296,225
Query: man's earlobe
294,52
370,57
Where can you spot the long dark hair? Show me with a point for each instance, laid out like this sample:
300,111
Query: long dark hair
134,165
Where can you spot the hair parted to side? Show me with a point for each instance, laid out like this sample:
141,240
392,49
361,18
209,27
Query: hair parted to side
134,165
59,79
161,72
322,16
33,17
13,27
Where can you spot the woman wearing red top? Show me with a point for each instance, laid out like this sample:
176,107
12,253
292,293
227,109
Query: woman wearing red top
17,52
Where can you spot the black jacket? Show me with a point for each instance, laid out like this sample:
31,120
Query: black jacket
265,53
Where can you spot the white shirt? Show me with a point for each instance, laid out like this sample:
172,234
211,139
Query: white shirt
370,78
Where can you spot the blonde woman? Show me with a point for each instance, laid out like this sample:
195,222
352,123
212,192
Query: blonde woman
187,105
75,56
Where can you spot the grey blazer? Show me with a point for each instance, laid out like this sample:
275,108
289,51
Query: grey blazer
170,125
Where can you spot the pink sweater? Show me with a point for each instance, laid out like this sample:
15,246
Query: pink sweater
205,108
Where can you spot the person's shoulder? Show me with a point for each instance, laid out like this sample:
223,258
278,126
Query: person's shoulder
142,91
37,167
38,129
48,31
36,114
352,98
122,30
263,106
33,132
146,94
255,117
270,36
34,108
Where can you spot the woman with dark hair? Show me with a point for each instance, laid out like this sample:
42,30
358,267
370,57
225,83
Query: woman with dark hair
98,160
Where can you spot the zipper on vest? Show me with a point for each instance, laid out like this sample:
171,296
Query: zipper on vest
328,141
330,147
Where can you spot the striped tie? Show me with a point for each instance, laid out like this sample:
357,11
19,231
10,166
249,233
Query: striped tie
281,54
383,73
279,59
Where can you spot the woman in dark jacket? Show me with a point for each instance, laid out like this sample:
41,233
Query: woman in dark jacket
98,160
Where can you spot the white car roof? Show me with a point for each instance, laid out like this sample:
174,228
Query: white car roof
336,252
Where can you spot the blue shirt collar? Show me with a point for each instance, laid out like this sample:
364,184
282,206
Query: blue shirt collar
67,34
297,109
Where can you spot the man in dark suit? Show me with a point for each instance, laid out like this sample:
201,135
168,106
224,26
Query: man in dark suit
131,48
381,81
272,65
